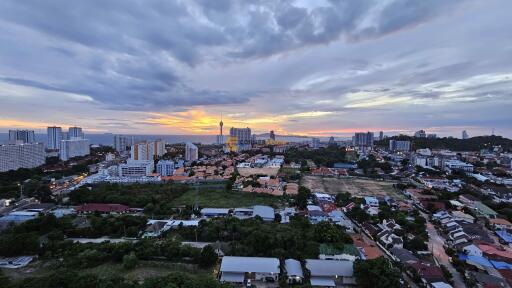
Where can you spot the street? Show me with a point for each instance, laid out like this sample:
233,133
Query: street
436,243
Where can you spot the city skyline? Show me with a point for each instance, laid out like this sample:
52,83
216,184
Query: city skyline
292,67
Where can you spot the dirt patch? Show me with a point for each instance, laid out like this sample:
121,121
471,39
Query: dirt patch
356,186
269,171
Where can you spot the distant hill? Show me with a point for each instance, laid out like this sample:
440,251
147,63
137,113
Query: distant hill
454,144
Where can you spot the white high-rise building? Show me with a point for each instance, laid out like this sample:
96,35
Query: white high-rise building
16,156
315,143
397,145
75,132
465,135
136,168
147,150
25,136
54,135
363,139
165,168
74,147
191,152
121,142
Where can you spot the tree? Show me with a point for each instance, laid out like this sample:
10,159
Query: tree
375,273
302,197
208,256
130,261
343,198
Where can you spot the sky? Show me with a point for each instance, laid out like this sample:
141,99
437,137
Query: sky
317,68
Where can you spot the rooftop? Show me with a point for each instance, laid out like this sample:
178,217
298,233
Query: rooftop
249,264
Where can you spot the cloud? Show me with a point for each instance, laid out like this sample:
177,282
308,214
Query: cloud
290,66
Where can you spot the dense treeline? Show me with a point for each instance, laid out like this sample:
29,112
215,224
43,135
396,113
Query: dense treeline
32,236
45,237
454,144
254,237
322,157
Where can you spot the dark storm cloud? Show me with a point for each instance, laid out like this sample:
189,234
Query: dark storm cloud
128,54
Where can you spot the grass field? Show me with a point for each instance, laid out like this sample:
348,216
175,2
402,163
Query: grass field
225,199
358,187
143,270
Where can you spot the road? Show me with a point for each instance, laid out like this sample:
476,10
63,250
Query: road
436,243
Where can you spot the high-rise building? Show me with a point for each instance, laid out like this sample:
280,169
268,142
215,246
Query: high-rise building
54,135
25,136
147,150
16,156
331,141
191,152
465,135
74,147
315,143
165,168
396,145
272,135
243,136
121,142
381,135
363,139
432,136
75,132
420,134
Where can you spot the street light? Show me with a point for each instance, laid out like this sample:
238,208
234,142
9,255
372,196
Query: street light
21,190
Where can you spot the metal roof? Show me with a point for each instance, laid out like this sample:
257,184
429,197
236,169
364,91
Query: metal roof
265,212
249,264
323,281
293,268
330,267
214,211
232,277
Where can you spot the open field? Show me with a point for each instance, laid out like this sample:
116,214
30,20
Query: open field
144,269
269,171
225,199
358,187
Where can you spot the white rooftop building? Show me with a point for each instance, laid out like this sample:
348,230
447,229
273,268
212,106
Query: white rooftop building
236,269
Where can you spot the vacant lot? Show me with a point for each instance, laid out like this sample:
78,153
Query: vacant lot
358,187
226,199
268,171
143,270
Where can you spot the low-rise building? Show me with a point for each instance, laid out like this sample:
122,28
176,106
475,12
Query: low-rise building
239,269
330,273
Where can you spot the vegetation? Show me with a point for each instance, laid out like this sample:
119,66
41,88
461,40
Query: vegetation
253,237
322,157
302,197
370,164
72,278
375,273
